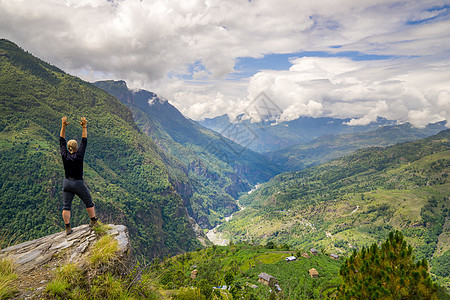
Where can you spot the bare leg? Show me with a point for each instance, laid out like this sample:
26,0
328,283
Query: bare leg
91,212
66,216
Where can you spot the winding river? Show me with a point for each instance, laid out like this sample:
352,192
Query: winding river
217,238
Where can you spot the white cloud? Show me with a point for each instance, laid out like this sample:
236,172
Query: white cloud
361,90
292,112
153,44
380,109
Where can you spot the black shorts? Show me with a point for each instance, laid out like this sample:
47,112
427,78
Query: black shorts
72,188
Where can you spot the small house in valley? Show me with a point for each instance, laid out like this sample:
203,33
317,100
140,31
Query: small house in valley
305,255
334,256
267,279
313,273
314,251
291,258
194,274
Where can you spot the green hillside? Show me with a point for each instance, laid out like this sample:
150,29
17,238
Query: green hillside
385,271
219,170
328,147
238,267
130,178
355,200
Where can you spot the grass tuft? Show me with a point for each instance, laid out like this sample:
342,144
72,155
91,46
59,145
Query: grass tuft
7,277
104,251
70,273
107,286
101,229
79,293
58,288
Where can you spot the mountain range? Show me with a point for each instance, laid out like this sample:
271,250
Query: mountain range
305,142
329,146
169,178
271,136
219,170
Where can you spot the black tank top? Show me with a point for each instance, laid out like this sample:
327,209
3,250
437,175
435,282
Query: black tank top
73,163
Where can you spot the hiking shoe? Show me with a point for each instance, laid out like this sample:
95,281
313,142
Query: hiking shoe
68,230
93,222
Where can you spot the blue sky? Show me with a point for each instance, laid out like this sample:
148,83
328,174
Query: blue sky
249,66
344,58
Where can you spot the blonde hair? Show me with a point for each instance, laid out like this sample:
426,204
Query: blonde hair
72,146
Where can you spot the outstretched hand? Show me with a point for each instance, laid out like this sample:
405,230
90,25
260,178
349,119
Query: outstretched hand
64,122
83,122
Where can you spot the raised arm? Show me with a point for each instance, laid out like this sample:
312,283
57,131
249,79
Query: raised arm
64,123
83,123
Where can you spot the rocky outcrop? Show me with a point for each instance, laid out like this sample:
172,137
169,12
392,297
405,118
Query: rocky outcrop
36,261
199,234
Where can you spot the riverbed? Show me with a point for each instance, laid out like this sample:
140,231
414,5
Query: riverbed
218,238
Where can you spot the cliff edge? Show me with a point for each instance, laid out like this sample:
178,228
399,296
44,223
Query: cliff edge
36,262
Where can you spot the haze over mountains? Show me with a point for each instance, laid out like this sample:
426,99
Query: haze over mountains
271,136
328,147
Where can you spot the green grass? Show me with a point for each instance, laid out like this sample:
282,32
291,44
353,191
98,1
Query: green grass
7,278
70,273
271,257
94,281
294,279
104,250
188,293
244,262
108,287
101,229
58,288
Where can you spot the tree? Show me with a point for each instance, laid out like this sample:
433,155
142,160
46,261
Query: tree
270,245
387,271
236,290
205,288
229,278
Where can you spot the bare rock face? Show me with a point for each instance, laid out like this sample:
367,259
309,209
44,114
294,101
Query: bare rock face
36,261
199,234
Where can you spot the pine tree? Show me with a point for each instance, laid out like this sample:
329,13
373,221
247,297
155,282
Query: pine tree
386,272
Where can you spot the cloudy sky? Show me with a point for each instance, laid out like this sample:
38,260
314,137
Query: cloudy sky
341,58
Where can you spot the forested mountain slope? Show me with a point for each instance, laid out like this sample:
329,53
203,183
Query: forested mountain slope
355,200
218,169
130,178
